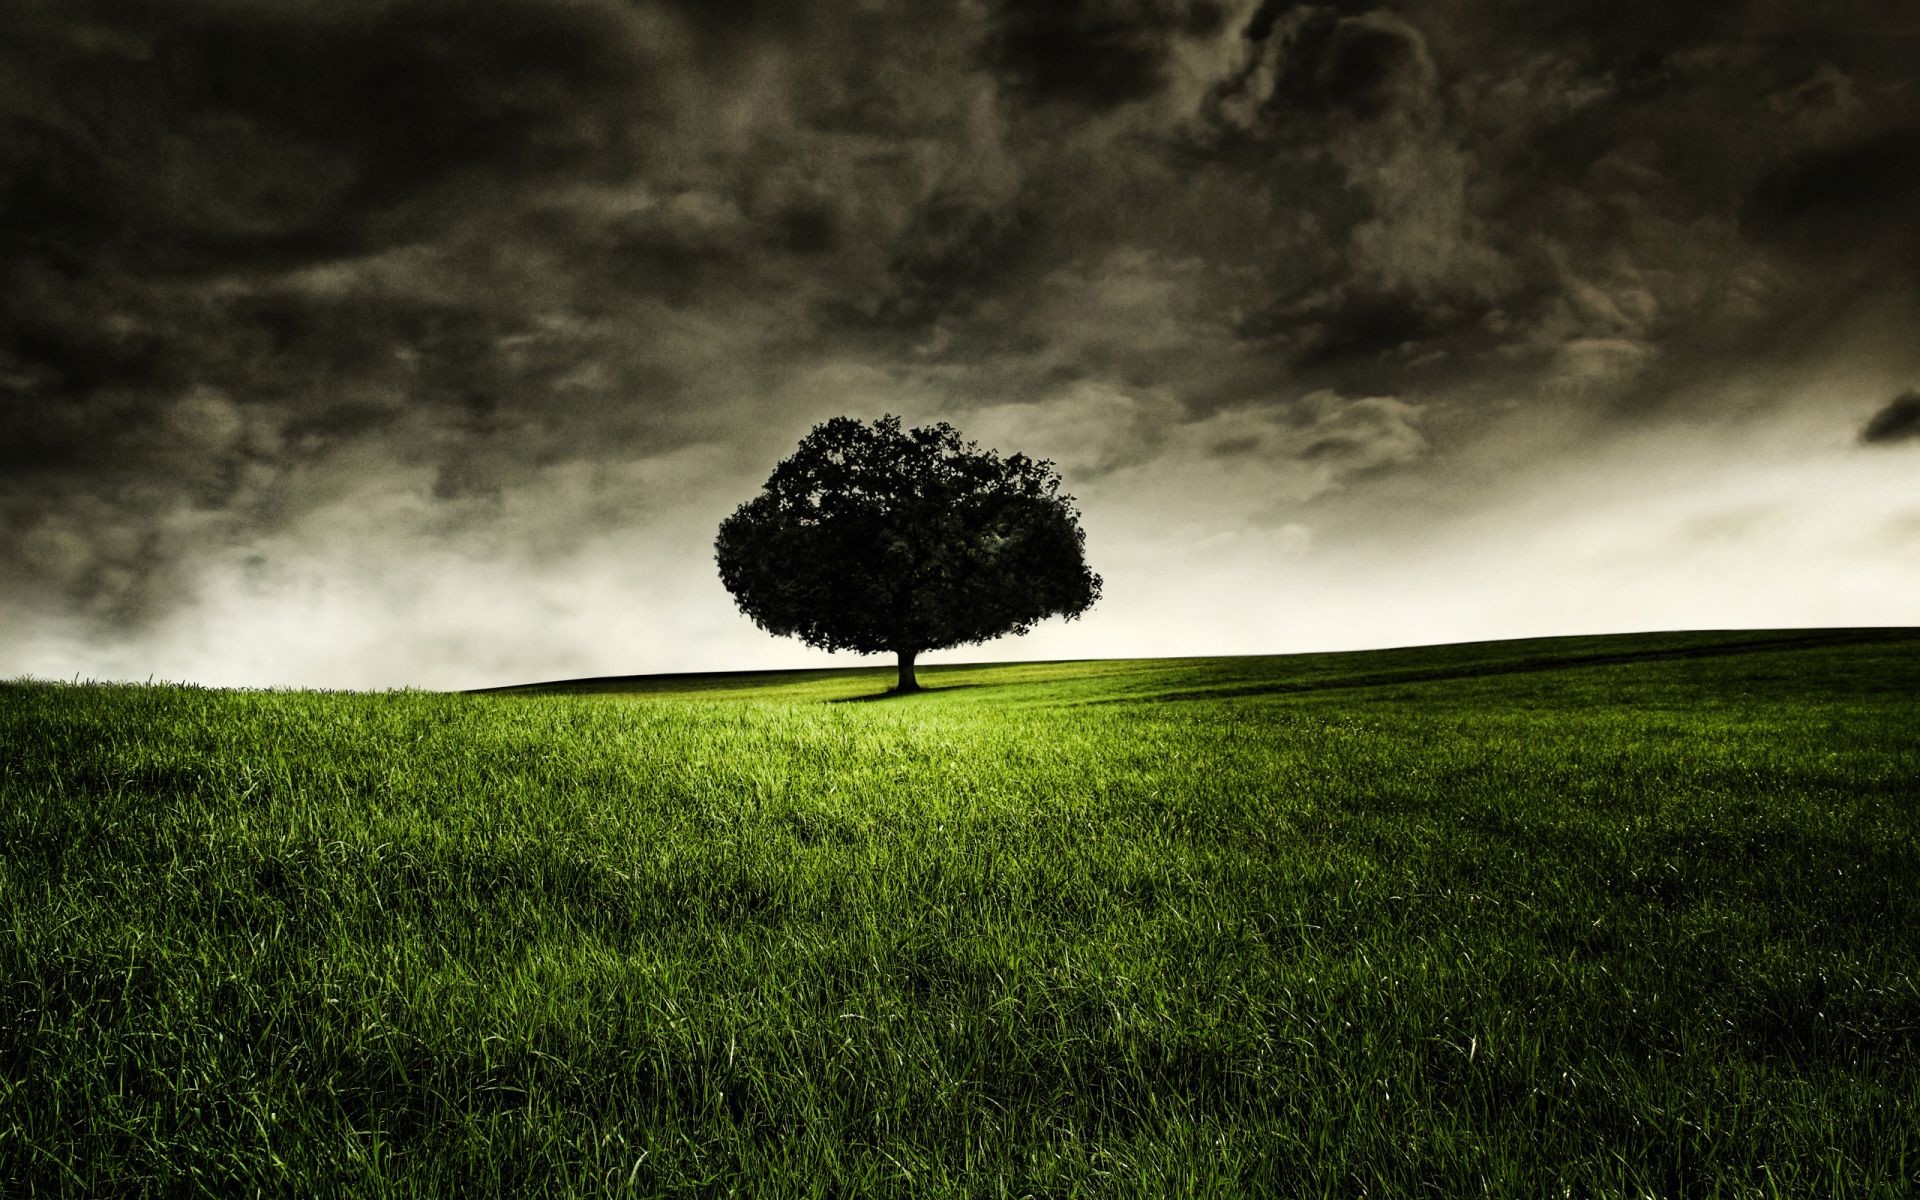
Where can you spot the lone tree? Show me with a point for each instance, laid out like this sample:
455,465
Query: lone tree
879,539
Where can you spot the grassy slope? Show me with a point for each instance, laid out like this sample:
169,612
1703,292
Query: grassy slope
1607,915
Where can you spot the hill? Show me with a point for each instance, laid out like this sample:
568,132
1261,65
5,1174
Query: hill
1247,675
1586,916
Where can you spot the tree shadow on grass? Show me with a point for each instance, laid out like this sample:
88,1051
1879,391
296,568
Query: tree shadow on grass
895,694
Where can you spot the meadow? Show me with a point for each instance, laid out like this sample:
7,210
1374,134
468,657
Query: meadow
1629,916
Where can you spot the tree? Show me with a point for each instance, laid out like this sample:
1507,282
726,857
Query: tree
879,539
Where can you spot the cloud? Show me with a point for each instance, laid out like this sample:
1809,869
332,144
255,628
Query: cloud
1305,63
953,248
1869,185
1090,431
1899,421
1230,261
1261,459
212,135
1093,54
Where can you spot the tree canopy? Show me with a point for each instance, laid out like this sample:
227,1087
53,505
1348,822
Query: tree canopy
876,538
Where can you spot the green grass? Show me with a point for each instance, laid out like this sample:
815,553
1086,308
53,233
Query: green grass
1575,917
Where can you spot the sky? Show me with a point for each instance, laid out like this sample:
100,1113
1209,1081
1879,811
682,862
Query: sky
381,343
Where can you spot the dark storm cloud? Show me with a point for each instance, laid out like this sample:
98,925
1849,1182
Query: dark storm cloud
199,136
1364,64
1347,330
1584,197
266,258
950,253
1899,421
1095,53
169,174
1872,185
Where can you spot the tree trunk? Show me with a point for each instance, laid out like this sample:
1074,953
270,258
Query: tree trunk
907,682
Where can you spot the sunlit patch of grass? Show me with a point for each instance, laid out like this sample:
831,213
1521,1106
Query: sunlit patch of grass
1583,916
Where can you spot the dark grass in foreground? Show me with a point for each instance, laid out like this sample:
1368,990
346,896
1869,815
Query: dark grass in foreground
1570,917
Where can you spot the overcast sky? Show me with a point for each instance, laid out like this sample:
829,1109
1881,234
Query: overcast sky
388,342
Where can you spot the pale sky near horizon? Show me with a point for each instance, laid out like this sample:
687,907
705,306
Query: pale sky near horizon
417,343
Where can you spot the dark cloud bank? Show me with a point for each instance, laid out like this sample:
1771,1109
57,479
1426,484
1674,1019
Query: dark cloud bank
271,262
1899,421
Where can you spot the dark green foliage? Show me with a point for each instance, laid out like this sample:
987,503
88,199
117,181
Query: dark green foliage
1589,917
879,539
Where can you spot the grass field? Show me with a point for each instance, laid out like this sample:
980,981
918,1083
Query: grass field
1579,917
